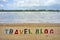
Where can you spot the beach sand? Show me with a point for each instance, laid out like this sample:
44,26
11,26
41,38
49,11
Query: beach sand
32,26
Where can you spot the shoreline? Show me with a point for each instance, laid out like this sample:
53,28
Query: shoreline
32,24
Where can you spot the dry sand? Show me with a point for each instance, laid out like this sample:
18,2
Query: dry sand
32,26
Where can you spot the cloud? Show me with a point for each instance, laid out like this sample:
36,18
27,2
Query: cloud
1,6
17,4
2,2
30,3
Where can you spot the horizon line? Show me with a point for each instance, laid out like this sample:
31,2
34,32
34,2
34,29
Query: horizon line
30,10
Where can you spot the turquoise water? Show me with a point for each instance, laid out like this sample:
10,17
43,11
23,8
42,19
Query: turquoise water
29,17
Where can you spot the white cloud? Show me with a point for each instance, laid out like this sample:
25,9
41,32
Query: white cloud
30,3
58,1
1,6
5,0
49,2
2,3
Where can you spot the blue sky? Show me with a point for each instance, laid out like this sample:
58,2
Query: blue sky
29,4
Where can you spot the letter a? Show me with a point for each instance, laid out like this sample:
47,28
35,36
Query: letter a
16,32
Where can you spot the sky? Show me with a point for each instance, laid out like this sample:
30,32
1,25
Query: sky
29,4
